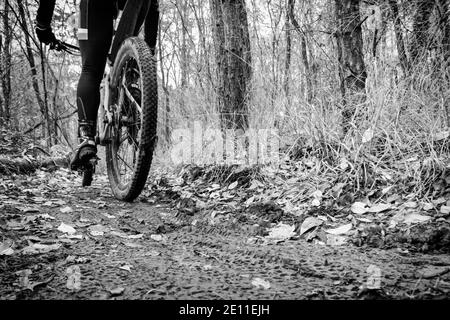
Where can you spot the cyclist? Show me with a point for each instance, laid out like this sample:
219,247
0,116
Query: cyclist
94,35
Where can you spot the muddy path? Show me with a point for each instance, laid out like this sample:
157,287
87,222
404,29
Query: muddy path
149,250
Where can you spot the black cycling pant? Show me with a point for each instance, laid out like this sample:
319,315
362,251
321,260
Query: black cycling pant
95,36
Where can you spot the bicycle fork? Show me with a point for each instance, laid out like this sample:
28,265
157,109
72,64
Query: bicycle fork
106,119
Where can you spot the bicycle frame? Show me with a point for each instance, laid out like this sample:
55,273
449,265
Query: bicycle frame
131,20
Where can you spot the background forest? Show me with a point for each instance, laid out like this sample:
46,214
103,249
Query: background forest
361,86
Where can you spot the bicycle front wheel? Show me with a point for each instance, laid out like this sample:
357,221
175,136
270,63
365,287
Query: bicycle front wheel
134,102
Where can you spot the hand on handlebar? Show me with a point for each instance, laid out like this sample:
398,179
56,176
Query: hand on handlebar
45,35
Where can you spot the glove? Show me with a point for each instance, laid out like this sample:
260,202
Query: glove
45,35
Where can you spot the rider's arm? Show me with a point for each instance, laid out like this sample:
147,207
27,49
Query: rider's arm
45,13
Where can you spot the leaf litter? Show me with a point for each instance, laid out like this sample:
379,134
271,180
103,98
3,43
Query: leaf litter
281,232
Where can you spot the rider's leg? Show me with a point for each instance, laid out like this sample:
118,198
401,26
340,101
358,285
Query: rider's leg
94,34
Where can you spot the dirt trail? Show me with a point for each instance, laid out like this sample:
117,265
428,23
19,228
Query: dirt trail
150,251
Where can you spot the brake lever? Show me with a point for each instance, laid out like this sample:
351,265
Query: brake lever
62,46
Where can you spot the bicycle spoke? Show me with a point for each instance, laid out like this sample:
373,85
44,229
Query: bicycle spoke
123,140
131,98
134,141
120,158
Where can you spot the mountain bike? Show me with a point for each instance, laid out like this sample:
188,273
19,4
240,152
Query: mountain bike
127,117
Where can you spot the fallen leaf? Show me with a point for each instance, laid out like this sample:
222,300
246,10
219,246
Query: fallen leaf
152,253
133,245
72,236
98,230
261,283
45,216
415,218
40,248
66,210
428,206
281,232
340,230
410,204
39,199
6,248
28,209
135,236
249,201
315,203
311,235
109,216
445,210
379,208
156,237
439,201
335,240
233,185
78,260
65,228
309,223
359,208
126,267
73,278
119,234
15,225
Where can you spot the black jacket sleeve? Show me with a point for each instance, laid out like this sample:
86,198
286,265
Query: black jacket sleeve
45,13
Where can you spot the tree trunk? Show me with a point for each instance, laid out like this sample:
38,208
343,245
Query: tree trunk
166,115
288,26
183,11
303,54
43,104
399,36
351,57
421,23
233,58
5,61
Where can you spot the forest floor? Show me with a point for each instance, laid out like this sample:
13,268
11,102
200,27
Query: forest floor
300,230
61,241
